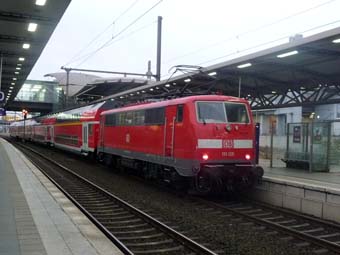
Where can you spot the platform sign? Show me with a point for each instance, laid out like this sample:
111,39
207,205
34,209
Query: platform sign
297,134
2,112
2,96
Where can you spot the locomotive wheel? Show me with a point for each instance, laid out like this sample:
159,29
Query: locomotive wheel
204,183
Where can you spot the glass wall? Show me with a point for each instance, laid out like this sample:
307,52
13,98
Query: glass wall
40,91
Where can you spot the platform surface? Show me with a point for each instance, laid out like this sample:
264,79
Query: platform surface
327,180
36,218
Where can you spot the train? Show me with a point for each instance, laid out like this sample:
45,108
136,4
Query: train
203,143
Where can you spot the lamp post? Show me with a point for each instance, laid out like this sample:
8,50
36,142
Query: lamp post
24,113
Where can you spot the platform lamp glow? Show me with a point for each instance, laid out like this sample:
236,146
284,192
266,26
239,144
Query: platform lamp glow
24,114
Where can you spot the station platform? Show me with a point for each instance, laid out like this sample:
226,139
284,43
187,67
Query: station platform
36,218
329,180
313,193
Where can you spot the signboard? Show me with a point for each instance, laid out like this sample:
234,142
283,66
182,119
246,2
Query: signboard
317,136
2,112
2,96
297,134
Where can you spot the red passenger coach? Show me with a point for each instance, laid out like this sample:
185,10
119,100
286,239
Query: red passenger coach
207,141
77,129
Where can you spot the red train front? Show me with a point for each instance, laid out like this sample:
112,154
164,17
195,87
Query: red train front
206,141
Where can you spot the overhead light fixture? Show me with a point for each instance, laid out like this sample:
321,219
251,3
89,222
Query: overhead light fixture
21,59
157,87
143,91
14,79
18,68
13,83
151,89
32,27
336,40
167,85
16,72
187,80
287,54
273,92
19,64
244,65
26,46
212,73
11,87
40,2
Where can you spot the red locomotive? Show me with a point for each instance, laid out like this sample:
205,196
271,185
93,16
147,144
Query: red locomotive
206,142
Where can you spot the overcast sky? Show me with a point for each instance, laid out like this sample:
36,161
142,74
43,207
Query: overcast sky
195,32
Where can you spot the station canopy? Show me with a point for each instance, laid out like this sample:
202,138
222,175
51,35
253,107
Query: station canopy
19,47
302,72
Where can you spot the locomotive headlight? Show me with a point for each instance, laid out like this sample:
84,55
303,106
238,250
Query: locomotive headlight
228,127
205,156
247,156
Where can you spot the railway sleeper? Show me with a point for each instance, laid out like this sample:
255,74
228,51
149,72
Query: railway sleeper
148,243
124,222
173,250
134,232
156,236
143,225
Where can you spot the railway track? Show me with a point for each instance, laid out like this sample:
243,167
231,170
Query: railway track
131,229
321,237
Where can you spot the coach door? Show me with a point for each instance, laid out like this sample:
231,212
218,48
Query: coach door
169,137
85,146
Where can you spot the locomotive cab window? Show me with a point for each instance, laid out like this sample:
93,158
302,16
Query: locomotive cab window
211,112
222,112
236,113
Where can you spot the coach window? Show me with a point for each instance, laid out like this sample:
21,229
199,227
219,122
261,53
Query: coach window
90,129
179,117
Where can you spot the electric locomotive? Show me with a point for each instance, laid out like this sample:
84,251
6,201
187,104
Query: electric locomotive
206,142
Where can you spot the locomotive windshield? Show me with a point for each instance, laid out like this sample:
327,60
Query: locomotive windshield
222,112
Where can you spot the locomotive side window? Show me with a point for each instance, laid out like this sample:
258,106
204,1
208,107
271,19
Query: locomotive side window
211,112
179,117
236,113
154,116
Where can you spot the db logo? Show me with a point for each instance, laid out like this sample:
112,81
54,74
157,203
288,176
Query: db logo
228,143
2,96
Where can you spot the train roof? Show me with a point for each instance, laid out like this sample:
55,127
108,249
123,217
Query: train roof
176,101
83,113
29,122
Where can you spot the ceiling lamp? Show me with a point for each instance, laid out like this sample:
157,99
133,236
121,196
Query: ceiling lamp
40,2
32,27
287,54
26,46
336,40
244,65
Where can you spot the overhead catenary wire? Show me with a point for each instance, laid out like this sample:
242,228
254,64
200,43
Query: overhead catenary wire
74,58
107,43
124,37
250,31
